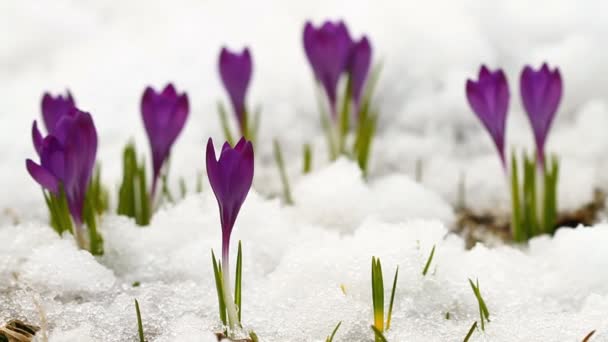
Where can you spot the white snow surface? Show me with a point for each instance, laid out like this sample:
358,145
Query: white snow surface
296,259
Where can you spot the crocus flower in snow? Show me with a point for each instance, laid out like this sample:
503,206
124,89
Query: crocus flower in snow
360,60
230,177
489,99
67,158
235,72
328,50
164,115
541,92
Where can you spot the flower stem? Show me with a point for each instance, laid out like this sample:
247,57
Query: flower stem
230,306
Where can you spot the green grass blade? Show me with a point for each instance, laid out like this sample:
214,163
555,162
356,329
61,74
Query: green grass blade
238,280
330,338
217,273
278,157
470,333
224,121
140,326
428,261
390,305
378,334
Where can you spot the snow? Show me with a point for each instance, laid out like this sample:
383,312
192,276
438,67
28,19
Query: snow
298,258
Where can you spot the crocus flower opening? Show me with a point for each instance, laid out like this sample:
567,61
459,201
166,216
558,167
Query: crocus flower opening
235,72
67,158
328,50
360,60
541,92
164,115
230,177
489,99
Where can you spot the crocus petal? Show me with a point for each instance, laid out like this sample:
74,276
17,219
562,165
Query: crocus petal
53,108
42,176
360,60
541,92
36,138
489,99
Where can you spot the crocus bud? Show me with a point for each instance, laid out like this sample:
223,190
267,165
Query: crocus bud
67,158
53,108
230,177
541,92
164,115
360,60
235,71
328,50
489,99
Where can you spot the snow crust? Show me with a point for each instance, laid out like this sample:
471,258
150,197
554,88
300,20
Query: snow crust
298,258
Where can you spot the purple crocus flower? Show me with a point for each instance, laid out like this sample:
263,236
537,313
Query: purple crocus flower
53,109
164,115
541,92
235,71
360,60
328,50
67,158
230,178
489,99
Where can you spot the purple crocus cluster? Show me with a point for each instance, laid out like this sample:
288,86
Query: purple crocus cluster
164,114
67,153
541,92
331,53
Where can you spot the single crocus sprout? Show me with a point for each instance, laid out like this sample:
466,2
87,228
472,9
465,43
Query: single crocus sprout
67,158
541,92
489,99
164,115
328,50
53,108
235,71
230,177
360,60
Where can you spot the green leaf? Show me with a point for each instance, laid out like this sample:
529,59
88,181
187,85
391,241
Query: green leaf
378,334
225,125
182,187
307,163
90,218
253,336
516,227
238,280
390,305
377,294
140,326
345,116
484,314
529,205
470,333
199,182
217,272
428,261
330,338
278,157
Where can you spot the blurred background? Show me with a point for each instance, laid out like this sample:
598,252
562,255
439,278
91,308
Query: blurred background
107,52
